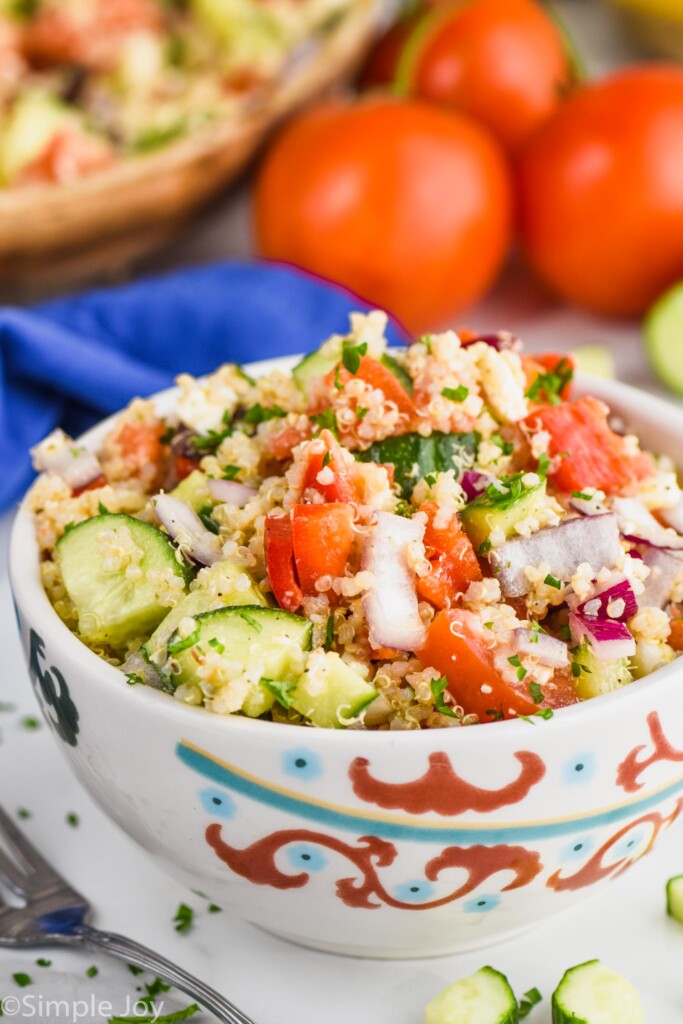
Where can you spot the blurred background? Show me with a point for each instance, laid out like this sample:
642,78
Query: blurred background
491,163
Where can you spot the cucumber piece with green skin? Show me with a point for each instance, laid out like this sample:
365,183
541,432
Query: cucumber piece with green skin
593,677
492,510
663,330
246,642
215,589
114,607
414,456
399,372
320,362
194,489
674,898
484,997
329,693
592,994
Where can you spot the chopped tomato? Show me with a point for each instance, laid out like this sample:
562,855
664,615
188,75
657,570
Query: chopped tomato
184,465
454,648
328,472
676,635
384,653
377,376
560,691
548,362
454,563
322,537
589,453
100,481
280,563
67,156
91,37
280,445
140,443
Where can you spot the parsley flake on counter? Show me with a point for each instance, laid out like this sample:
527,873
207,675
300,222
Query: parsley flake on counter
42,962
183,918
213,908
92,972
73,820
23,813
22,980
30,722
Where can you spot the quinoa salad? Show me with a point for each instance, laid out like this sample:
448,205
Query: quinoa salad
85,83
434,537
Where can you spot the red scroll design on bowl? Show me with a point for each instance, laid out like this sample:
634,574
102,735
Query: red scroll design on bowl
442,790
365,890
632,767
594,870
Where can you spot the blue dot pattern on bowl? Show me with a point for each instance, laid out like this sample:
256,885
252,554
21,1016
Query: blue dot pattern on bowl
580,769
480,904
303,855
415,892
218,803
302,764
578,849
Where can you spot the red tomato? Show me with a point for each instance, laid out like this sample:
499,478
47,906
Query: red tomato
601,189
341,486
455,565
591,454
406,204
280,563
505,62
323,537
454,649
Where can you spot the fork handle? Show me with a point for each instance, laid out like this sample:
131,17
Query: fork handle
134,953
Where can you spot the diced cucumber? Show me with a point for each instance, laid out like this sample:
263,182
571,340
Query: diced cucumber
593,677
99,561
592,994
399,372
485,997
414,456
650,655
216,590
674,898
318,363
329,693
194,489
248,642
495,511
663,329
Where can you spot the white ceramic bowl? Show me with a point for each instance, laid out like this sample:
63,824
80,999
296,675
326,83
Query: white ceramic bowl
372,844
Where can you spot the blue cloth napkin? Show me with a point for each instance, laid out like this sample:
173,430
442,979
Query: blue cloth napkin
70,362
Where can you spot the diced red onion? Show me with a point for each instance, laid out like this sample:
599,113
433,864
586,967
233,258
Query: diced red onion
545,648
501,340
665,570
186,528
593,540
474,483
231,492
639,526
616,604
391,606
673,517
58,454
608,638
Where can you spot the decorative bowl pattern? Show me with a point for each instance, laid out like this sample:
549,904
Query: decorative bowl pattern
371,844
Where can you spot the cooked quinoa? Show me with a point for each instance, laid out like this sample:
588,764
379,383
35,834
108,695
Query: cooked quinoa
428,538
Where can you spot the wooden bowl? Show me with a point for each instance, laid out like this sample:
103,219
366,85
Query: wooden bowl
60,235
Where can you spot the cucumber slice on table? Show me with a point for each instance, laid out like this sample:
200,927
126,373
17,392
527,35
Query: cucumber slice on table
663,329
483,998
113,604
592,994
247,641
674,898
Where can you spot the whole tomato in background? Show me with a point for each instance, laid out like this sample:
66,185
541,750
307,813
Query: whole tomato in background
601,192
407,204
505,62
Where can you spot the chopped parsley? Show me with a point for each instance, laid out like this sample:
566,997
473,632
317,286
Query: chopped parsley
535,692
168,435
230,472
182,644
544,464
545,713
92,972
506,490
329,632
213,908
485,546
548,387
23,813
262,413
438,686
134,679
135,970
102,509
352,355
426,340
552,581
205,516
22,980
458,394
280,690
42,962
73,820
506,446
528,1001
327,458
326,420
405,509
216,644
495,714
516,663
183,919
583,495
30,723
361,412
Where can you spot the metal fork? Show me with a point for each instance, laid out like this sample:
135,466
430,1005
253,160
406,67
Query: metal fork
54,914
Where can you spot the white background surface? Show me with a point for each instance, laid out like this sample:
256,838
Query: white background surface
625,925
